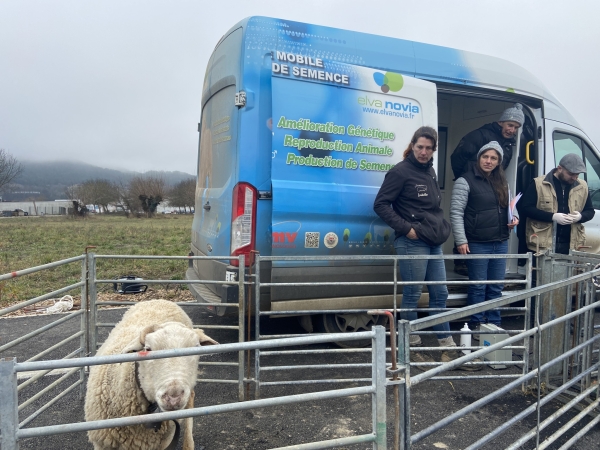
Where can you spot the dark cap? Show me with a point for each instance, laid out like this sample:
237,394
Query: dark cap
573,163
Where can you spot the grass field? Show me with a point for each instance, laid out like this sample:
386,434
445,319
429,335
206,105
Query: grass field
32,241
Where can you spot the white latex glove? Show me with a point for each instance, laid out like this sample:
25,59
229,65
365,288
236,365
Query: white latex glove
562,219
576,216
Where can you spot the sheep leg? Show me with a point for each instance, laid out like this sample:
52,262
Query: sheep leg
188,425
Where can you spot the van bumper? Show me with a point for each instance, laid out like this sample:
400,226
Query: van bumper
212,270
204,294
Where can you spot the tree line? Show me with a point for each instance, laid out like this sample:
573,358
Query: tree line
10,168
141,194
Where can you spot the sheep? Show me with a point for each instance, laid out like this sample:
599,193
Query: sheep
135,388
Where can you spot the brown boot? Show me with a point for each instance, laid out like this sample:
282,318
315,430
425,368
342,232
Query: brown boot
421,357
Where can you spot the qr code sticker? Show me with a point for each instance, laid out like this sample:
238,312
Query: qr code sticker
311,239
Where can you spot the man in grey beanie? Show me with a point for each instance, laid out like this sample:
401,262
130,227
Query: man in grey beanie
504,131
570,206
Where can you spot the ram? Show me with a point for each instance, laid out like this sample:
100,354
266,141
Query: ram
144,387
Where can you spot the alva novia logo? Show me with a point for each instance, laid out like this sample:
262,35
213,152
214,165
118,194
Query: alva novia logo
389,81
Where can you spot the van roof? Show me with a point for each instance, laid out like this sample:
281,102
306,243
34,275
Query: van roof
417,59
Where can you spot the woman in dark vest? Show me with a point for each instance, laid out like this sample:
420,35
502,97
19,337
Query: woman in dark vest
479,217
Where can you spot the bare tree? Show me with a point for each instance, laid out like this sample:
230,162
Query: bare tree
183,194
150,192
79,194
142,193
125,200
174,197
71,192
101,193
10,168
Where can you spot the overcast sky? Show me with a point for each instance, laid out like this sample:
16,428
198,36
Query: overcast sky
117,83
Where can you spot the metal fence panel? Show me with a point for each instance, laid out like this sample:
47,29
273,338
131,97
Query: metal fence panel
261,367
573,369
11,433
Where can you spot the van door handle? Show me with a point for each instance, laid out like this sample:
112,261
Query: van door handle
527,158
207,206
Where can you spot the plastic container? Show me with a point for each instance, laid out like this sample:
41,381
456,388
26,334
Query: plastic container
465,339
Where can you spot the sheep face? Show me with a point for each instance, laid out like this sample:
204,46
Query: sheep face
169,382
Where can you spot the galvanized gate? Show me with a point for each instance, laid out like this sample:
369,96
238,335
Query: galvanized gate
569,374
78,339
238,367
12,433
576,384
262,368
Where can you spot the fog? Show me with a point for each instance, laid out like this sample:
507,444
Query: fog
118,83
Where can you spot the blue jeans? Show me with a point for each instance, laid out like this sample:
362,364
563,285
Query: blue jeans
422,270
486,269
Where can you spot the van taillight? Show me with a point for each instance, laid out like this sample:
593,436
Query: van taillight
243,221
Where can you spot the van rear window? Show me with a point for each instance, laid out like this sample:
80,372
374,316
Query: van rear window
217,140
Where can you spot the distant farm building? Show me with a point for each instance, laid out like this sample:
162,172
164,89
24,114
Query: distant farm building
54,208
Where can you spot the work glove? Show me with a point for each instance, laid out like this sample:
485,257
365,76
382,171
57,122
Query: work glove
562,219
576,216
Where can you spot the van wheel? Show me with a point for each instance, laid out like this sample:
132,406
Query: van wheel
351,323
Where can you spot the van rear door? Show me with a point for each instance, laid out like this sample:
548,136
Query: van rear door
337,130
216,173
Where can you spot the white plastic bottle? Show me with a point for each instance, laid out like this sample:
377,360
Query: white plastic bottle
465,339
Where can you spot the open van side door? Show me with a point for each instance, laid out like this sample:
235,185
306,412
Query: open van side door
528,162
562,139
337,130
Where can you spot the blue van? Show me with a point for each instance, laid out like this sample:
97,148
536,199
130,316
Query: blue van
299,125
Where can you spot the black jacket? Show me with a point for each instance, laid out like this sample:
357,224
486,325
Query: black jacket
465,153
412,190
485,220
527,207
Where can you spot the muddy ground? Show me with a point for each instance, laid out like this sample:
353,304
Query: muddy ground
293,424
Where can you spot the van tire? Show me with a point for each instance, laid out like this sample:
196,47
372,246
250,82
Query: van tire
349,323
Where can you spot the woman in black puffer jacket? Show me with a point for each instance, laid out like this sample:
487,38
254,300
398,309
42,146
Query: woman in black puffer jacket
412,191
479,216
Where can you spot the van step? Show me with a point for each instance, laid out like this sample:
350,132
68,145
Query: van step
364,302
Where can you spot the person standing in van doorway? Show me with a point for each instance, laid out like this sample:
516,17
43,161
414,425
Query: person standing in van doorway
559,197
409,202
479,217
464,157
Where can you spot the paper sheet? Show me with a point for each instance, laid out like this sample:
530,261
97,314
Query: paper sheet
512,203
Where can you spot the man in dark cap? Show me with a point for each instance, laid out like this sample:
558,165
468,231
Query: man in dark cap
561,197
504,131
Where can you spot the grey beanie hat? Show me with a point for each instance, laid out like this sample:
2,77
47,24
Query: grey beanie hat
573,163
514,114
492,145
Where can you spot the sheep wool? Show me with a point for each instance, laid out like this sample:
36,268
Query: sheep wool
113,390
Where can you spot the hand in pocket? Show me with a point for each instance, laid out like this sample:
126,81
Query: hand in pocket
412,234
